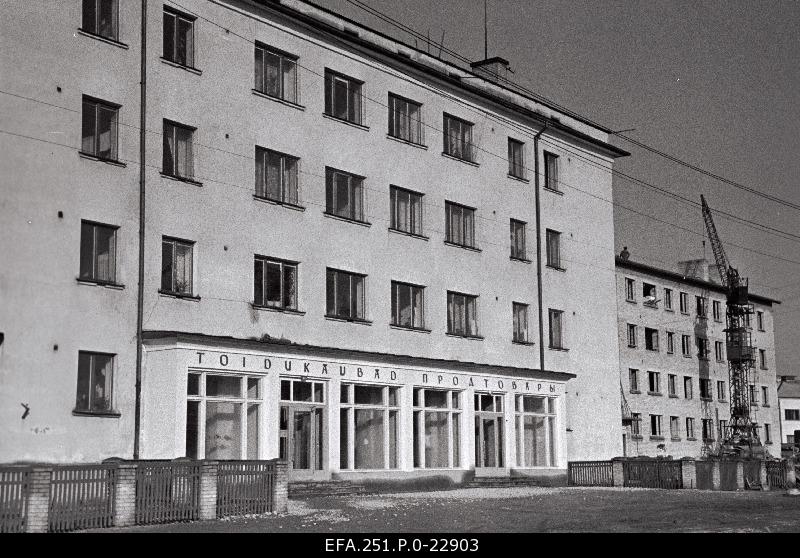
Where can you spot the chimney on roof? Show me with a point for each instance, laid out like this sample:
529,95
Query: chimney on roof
492,68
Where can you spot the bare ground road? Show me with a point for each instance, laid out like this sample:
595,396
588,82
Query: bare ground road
527,510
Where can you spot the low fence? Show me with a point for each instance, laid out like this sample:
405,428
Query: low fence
62,498
244,487
652,473
81,497
590,473
776,474
14,489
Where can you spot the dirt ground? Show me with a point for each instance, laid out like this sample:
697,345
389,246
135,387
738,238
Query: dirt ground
527,510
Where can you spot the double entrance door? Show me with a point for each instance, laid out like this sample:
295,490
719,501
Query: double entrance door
301,441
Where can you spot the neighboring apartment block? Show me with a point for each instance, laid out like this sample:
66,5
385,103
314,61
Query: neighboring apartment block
673,367
789,401
350,261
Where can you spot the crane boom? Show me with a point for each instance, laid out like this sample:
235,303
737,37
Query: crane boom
716,244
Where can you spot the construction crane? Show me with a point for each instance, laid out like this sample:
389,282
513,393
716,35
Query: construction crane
741,438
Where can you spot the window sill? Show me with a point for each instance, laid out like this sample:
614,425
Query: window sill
407,328
406,233
98,414
656,393
520,260
637,437
768,442
91,157
670,352
473,337
562,349
559,192
361,321
183,296
108,40
652,350
519,178
650,305
407,142
720,361
670,310
630,300
687,356
346,219
631,346
691,439
765,405
708,440
287,205
657,438
181,179
555,268
525,343
280,310
636,391
673,439
278,100
673,396
100,283
464,246
181,66
348,122
454,158
707,399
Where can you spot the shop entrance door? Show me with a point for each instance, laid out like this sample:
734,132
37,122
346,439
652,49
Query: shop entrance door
489,421
301,441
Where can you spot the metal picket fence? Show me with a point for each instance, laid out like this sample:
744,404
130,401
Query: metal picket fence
14,487
167,491
244,487
590,473
652,473
81,497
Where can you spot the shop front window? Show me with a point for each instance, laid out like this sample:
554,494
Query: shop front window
437,428
368,417
222,416
536,438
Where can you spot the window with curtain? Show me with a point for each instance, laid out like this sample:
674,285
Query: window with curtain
518,240
178,157
405,119
437,428
99,128
516,158
459,224
98,252
178,35
462,314
345,294
551,171
343,97
275,283
458,138
556,329
536,431
405,210
408,305
95,378
344,194
369,416
176,266
276,176
553,243
101,17
520,313
276,73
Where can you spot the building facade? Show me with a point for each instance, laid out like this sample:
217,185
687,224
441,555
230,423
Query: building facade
673,367
789,402
356,256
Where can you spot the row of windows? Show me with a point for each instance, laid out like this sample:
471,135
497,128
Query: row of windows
275,73
654,387
276,179
275,286
650,299
651,343
675,428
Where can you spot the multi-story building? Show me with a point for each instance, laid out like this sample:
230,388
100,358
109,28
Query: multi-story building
789,403
673,367
354,256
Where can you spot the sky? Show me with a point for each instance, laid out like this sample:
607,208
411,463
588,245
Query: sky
716,84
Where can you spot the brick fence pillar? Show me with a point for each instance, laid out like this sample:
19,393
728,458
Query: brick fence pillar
280,488
791,478
762,474
715,478
740,475
208,489
617,472
125,495
38,509
688,473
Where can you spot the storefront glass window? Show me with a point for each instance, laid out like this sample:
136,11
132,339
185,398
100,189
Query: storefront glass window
536,439
436,428
368,416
